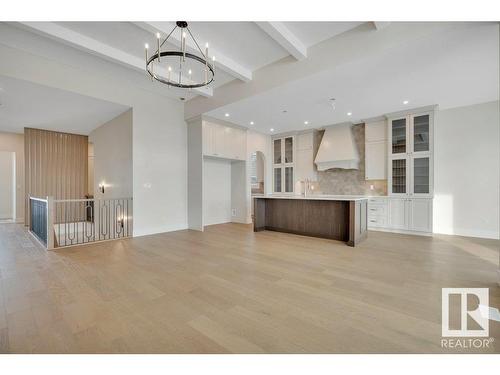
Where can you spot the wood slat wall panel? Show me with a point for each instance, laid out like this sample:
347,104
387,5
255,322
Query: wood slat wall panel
55,165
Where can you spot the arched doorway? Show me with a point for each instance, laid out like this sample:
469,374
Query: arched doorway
257,172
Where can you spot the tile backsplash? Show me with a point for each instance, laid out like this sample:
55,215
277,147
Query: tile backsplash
350,181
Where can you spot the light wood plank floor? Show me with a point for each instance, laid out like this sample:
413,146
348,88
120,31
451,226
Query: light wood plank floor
228,290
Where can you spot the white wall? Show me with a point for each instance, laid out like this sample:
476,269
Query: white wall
7,196
216,191
466,171
15,143
112,144
159,130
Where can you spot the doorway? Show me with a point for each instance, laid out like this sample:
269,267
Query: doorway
257,172
7,186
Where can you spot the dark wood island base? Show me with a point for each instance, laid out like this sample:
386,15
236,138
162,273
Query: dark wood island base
337,219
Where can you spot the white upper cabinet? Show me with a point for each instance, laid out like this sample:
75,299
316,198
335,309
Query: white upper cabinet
376,160
376,150
304,158
410,164
376,131
224,141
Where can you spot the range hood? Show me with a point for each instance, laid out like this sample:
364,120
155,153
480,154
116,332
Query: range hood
337,149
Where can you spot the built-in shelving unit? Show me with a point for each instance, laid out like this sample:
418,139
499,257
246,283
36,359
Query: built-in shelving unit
283,164
410,154
410,170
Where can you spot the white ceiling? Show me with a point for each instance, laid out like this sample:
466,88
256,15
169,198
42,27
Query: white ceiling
311,33
450,69
25,104
240,48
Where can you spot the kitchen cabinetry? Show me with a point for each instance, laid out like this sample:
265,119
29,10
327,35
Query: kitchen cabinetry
410,151
305,167
413,215
224,141
376,150
283,164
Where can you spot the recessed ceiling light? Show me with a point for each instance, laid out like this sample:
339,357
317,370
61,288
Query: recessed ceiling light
227,115
405,102
271,129
251,122
349,113
306,122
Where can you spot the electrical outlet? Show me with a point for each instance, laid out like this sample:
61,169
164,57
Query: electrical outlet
233,211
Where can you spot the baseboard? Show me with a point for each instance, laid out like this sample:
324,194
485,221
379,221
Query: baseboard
468,233
399,231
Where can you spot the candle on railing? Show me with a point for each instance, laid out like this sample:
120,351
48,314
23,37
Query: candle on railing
190,81
213,64
169,72
158,40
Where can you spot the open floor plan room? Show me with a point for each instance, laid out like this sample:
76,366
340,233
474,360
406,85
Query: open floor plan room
250,187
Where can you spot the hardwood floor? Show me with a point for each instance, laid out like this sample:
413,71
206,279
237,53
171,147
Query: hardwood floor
230,290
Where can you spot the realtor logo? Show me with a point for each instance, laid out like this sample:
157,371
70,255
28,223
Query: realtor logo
463,306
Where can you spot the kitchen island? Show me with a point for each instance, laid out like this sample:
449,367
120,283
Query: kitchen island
337,217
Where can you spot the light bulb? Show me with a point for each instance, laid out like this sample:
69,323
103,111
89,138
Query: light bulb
349,113
169,68
146,46
158,35
189,72
206,45
271,129
251,122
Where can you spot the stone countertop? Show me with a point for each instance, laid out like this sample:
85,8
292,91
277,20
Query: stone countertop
316,197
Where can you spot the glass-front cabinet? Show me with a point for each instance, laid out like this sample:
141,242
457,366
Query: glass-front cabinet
283,164
399,135
410,155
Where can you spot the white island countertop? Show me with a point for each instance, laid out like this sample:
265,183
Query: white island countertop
323,197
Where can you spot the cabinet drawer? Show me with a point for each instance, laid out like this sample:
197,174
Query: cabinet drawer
377,209
377,221
379,201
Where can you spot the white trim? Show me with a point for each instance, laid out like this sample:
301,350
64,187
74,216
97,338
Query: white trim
416,111
285,38
464,232
400,231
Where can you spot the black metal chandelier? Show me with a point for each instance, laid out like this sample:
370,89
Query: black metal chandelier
180,68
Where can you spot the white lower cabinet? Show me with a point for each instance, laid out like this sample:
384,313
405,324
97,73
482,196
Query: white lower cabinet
400,214
420,215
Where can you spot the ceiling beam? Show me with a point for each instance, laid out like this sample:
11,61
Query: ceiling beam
285,38
222,62
380,25
98,48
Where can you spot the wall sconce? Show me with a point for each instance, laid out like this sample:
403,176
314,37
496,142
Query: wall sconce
101,187
120,222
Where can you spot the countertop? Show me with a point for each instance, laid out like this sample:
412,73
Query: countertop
322,197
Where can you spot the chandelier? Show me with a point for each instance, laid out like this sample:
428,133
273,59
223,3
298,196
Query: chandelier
180,68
